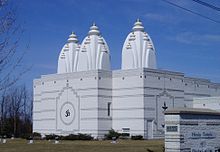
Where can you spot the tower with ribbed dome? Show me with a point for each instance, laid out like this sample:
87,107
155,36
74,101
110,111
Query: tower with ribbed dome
69,55
94,53
138,49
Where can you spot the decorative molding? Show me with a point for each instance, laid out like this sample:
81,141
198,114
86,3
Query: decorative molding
58,98
95,95
95,118
74,111
128,118
43,99
47,110
134,108
197,94
166,94
44,119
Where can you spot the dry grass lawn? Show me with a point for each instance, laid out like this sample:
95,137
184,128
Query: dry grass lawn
19,145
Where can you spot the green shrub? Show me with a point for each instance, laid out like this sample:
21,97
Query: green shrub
112,133
26,136
85,137
8,135
137,137
77,137
124,136
71,137
36,134
51,137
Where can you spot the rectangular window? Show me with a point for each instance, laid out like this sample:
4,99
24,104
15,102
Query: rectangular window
125,129
109,108
171,128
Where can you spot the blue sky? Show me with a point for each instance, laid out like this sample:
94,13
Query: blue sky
184,42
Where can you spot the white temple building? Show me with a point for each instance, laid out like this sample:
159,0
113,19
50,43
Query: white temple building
86,96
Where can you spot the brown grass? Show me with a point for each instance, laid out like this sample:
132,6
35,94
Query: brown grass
19,145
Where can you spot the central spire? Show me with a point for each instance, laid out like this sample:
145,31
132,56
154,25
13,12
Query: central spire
94,30
94,52
138,26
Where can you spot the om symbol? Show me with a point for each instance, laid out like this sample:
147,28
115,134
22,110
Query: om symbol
67,113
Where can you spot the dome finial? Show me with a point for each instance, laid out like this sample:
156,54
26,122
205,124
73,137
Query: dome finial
94,30
138,26
72,37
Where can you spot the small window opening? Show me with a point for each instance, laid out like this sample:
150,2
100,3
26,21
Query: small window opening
109,108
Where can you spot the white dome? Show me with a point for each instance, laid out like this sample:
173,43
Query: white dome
138,49
68,55
94,52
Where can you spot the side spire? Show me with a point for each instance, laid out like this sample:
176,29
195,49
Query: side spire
72,38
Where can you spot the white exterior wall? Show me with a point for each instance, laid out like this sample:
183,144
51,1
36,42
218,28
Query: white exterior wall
128,101
207,102
84,90
137,97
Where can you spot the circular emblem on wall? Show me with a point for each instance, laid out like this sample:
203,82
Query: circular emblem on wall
67,113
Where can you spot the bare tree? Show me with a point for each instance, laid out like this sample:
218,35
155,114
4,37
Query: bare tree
2,110
10,56
15,102
16,105
16,109
26,112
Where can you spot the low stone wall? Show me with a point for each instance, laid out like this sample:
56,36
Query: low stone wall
192,130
